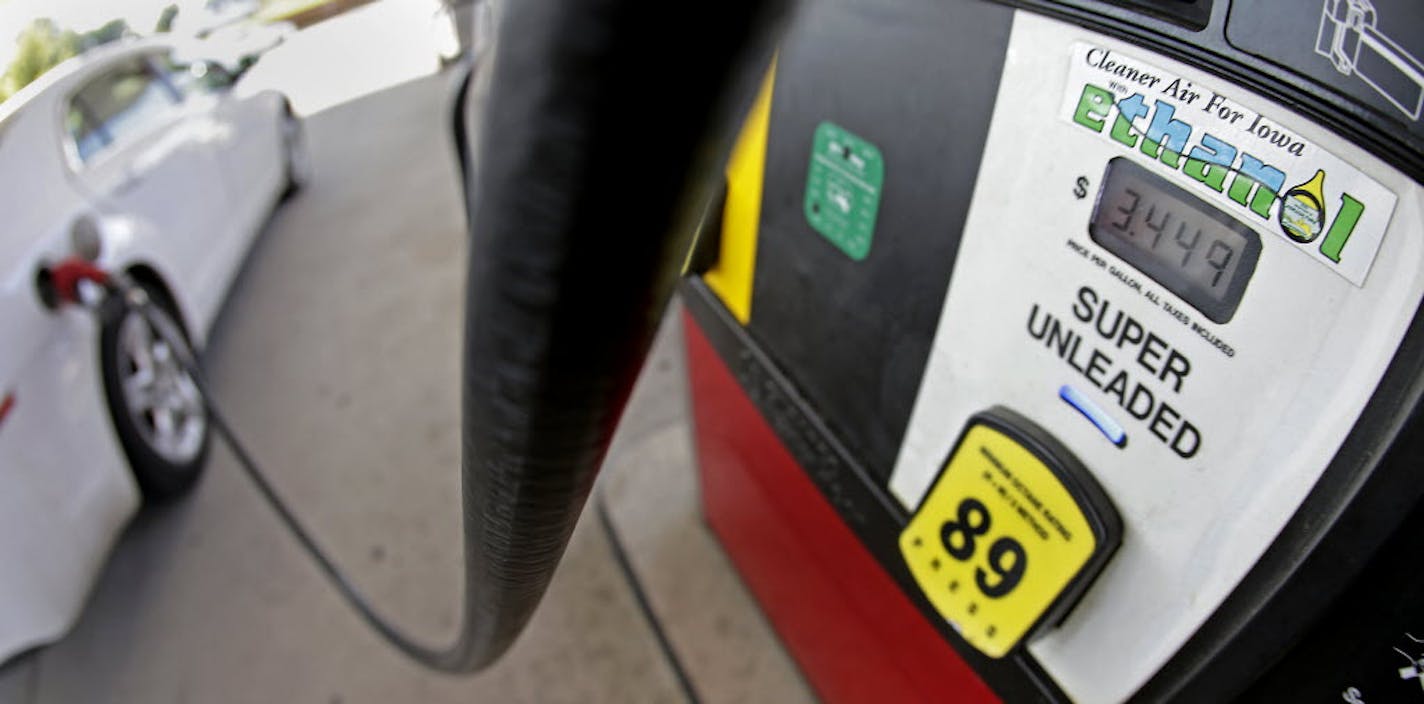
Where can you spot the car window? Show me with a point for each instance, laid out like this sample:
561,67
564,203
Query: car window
128,101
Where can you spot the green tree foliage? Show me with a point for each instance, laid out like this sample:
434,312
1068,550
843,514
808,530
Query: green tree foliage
43,45
112,30
38,48
165,20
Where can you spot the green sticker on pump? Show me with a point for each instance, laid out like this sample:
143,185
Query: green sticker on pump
843,189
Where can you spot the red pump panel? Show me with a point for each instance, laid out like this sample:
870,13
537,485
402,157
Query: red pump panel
854,634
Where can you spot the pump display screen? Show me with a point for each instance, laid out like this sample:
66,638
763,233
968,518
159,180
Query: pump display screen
1197,252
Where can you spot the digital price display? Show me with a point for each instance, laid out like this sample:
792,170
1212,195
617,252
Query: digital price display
1199,253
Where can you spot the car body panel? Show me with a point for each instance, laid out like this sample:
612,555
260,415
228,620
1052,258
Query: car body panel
62,503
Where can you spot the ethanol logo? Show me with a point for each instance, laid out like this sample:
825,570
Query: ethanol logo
1236,152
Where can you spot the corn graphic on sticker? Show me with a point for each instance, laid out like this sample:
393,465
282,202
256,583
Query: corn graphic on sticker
1302,213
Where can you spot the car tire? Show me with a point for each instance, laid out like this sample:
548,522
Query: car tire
294,146
155,405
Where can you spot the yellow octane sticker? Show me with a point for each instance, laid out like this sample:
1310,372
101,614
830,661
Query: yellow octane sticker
996,541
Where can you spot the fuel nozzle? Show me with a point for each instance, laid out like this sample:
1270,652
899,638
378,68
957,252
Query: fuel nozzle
59,283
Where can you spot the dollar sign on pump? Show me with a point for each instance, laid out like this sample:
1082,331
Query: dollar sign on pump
1302,215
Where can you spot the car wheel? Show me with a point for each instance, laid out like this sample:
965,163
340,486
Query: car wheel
294,144
155,405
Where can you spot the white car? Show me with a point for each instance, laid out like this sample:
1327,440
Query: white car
174,172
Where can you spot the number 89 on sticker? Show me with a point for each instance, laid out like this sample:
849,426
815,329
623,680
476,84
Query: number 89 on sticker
1012,528
958,537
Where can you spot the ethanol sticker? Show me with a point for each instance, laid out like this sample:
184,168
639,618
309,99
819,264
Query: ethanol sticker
843,189
1000,538
1251,165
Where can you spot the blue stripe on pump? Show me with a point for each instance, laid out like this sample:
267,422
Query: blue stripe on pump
1095,413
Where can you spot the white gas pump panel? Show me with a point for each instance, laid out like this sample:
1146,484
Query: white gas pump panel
1194,290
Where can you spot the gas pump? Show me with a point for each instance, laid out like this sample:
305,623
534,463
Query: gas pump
1071,351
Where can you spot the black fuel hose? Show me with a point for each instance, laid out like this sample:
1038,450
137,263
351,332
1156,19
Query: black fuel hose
603,129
